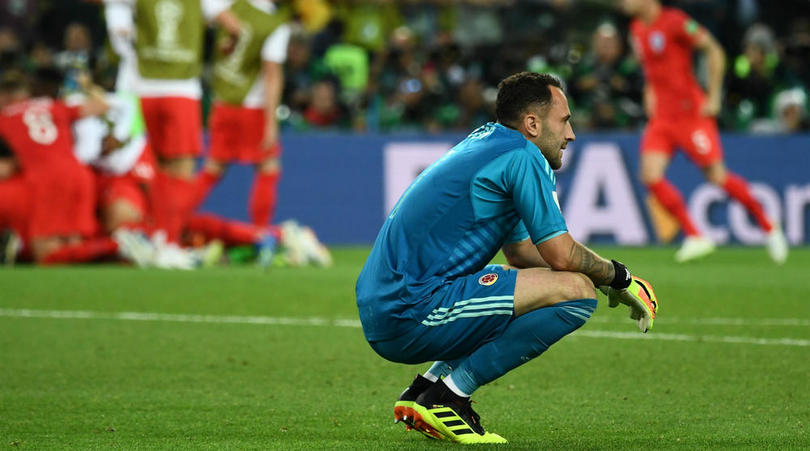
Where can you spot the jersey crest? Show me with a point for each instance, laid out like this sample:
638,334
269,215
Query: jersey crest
488,279
657,42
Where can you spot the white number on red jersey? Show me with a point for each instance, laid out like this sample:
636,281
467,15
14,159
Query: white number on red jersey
40,124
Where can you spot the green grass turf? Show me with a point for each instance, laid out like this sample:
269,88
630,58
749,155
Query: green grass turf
104,383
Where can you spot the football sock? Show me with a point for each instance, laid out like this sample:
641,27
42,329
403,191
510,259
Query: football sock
448,381
172,201
232,233
525,338
441,369
670,198
205,182
263,198
737,188
86,251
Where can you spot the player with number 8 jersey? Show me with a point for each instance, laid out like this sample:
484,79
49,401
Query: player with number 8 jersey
63,200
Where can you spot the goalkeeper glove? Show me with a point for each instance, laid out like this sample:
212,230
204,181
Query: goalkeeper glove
641,299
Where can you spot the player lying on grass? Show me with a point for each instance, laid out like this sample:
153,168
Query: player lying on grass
426,292
286,244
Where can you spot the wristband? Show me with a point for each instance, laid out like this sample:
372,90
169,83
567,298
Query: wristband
621,278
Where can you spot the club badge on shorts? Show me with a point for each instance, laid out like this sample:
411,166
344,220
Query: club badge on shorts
488,279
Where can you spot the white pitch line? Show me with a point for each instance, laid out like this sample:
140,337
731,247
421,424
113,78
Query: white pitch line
179,318
692,338
317,321
744,322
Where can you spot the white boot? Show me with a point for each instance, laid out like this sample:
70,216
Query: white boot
135,247
693,248
777,245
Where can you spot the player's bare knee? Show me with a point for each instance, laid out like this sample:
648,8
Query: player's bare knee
581,287
182,167
576,285
120,213
269,166
214,167
649,177
715,174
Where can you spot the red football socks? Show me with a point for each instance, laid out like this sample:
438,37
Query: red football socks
263,198
232,233
87,251
737,188
670,198
172,204
205,183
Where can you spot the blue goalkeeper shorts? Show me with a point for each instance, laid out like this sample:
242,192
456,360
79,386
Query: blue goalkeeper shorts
467,313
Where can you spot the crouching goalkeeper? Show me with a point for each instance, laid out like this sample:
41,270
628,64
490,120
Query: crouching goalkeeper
427,293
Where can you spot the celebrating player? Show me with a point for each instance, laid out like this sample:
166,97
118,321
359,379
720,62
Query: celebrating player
248,79
115,146
426,292
62,225
681,115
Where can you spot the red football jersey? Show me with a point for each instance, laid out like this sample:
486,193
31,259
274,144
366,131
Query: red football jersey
39,133
665,50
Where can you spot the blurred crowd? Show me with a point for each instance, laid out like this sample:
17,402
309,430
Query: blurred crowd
434,65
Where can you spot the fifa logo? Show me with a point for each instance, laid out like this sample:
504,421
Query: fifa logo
168,14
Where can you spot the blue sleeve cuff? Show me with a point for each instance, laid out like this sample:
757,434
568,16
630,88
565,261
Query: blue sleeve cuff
550,236
517,240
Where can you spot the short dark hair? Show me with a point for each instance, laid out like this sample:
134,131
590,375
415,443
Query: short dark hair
519,92
12,81
5,149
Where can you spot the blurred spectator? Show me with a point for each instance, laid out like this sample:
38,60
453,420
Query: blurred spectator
797,47
11,52
756,76
791,111
432,64
41,55
410,108
478,23
607,84
324,109
19,16
300,71
398,62
368,23
350,64
315,14
76,56
474,110
429,20
790,114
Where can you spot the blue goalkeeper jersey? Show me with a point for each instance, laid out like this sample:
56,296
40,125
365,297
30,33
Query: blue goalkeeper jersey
495,187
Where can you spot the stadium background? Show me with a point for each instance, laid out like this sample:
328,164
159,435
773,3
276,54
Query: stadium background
375,91
107,356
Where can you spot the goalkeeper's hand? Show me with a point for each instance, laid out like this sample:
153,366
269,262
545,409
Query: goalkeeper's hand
639,297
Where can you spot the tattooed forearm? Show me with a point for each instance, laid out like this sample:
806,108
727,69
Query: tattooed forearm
581,259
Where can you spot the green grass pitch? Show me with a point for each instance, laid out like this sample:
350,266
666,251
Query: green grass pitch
237,358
